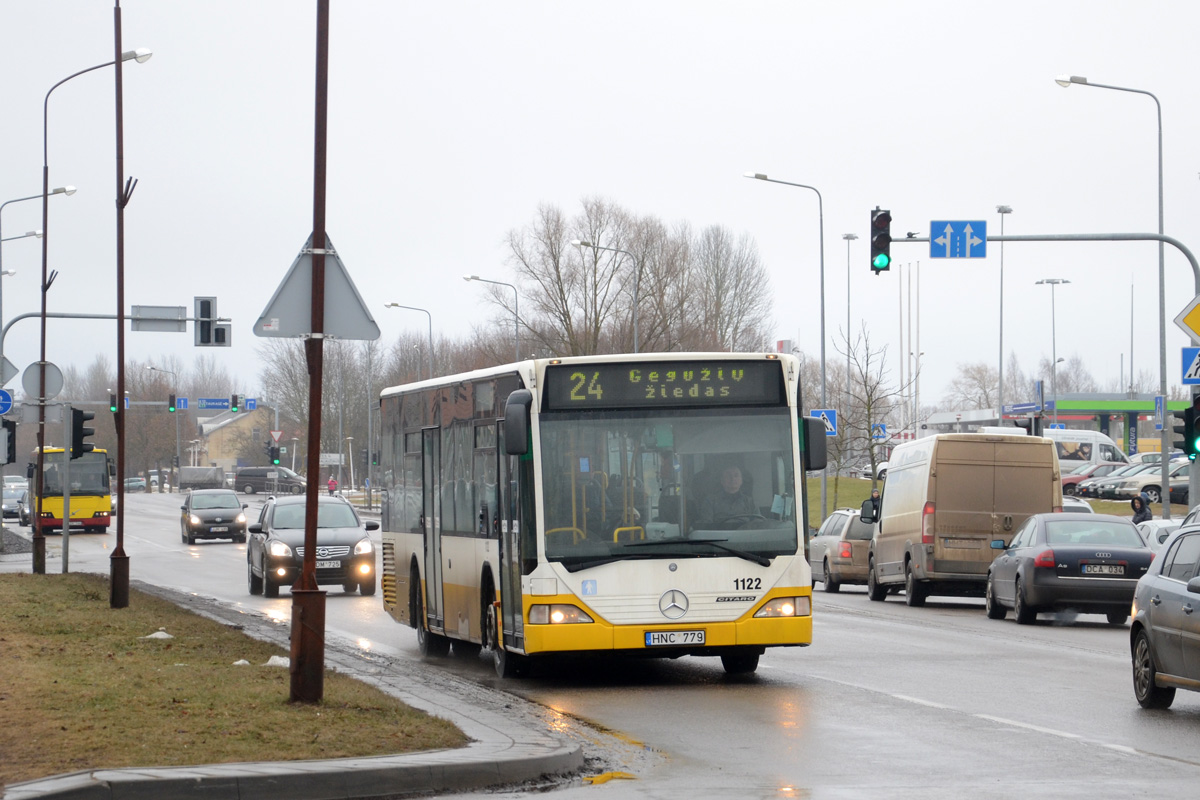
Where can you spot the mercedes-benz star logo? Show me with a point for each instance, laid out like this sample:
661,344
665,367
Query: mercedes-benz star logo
673,604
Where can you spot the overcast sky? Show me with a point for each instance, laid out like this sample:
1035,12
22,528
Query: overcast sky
451,121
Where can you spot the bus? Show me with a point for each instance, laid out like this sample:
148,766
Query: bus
569,506
91,478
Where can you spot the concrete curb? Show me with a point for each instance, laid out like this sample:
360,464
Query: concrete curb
509,746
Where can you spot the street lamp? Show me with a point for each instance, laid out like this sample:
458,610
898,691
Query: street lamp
414,308
178,449
1052,282
637,279
295,441
1003,211
350,446
1065,81
849,237
141,55
758,176
67,190
516,316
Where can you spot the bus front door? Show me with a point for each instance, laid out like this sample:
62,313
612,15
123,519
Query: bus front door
431,529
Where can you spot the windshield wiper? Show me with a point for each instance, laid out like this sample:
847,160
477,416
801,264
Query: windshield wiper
762,561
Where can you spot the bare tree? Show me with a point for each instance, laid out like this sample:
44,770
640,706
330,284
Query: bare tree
870,400
973,387
734,290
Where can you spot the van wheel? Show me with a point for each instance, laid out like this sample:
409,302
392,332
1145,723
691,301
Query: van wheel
830,584
1021,610
914,592
874,590
993,608
248,489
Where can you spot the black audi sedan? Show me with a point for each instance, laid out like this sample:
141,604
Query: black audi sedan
1090,563
345,553
212,514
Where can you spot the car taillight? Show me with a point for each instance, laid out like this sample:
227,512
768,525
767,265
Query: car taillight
927,523
1045,559
846,551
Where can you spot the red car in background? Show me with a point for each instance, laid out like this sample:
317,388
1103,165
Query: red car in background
1085,471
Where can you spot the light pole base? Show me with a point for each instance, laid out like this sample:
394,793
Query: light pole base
308,646
39,555
118,589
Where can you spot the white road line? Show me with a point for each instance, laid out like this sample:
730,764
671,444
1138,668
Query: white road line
1027,726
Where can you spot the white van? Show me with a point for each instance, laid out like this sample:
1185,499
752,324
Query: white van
1074,447
946,499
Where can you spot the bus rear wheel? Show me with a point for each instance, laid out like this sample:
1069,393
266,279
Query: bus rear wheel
508,665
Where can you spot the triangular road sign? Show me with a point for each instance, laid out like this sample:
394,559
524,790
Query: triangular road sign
289,314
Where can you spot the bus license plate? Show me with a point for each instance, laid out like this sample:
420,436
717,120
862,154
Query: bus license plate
328,564
673,638
1103,569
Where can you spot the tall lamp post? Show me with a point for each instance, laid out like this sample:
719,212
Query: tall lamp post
350,448
516,315
175,412
426,313
1052,282
1065,81
758,176
1003,211
637,279
67,190
141,55
849,237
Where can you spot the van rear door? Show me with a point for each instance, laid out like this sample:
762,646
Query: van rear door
1025,485
964,496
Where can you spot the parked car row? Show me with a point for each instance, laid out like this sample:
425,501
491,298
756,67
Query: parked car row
1130,481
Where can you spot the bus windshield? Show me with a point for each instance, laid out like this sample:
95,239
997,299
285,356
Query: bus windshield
683,483
88,474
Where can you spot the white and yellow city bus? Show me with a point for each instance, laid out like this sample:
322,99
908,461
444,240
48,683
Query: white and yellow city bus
587,504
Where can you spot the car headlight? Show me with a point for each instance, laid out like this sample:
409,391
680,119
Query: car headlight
364,546
241,519
786,607
557,614
193,519
279,549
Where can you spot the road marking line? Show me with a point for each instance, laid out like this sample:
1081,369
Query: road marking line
1028,726
921,702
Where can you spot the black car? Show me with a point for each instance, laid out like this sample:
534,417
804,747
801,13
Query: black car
1086,562
212,514
345,553
24,518
1164,638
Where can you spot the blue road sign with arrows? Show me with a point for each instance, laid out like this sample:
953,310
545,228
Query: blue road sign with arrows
5,401
958,238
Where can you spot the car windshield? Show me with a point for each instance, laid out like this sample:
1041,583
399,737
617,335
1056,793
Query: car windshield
12,494
1089,532
1078,469
329,515
215,501
679,484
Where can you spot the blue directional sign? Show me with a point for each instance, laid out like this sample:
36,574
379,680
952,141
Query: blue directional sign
251,404
213,403
1158,412
879,431
1191,365
958,238
829,417
181,403
1057,426
5,401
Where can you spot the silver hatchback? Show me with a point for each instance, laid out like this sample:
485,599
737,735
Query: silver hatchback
1164,638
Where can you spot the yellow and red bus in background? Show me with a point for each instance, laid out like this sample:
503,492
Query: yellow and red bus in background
564,506
90,476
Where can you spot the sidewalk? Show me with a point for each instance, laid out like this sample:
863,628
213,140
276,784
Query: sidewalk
509,745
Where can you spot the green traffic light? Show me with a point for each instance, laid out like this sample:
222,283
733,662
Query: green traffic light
881,261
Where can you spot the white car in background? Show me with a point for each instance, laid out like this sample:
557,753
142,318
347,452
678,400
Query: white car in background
1157,531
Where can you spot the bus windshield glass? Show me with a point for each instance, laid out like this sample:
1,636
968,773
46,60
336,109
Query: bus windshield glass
88,474
681,483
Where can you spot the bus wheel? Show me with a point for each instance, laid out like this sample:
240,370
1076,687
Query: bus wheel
740,663
430,644
508,665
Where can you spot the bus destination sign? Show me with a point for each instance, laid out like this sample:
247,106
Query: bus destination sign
663,384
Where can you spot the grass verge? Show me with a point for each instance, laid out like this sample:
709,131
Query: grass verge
83,689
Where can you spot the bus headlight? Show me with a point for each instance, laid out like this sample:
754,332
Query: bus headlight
786,607
279,549
363,546
557,614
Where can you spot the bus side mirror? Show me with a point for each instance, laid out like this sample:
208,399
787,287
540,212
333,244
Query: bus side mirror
812,449
516,422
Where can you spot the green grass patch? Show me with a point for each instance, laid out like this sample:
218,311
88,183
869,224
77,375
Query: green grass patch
84,689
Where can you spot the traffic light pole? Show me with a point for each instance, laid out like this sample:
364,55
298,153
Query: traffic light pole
1193,475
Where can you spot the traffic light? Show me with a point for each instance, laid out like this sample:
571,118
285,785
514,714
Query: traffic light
171,404
1181,424
1193,430
275,455
112,403
9,434
881,240
1032,425
79,432
233,403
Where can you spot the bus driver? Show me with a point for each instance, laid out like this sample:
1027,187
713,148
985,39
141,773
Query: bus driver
730,501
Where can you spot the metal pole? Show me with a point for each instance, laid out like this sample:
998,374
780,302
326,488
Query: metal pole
1003,211
1053,352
